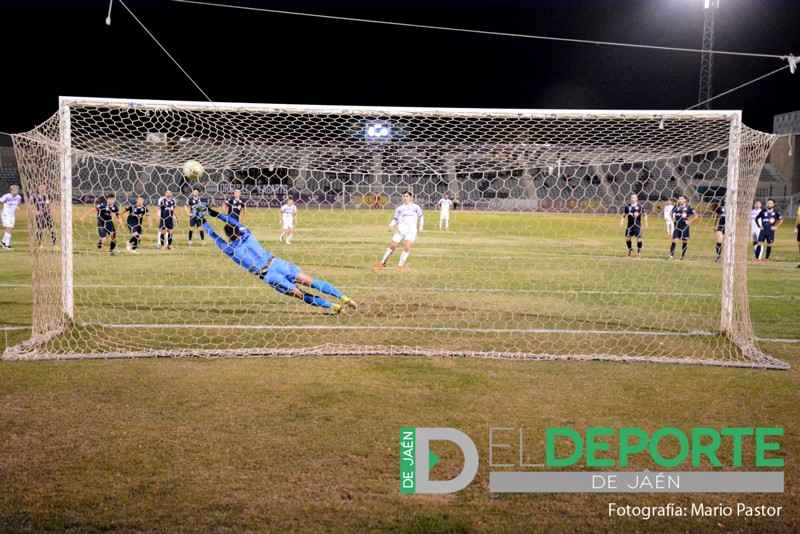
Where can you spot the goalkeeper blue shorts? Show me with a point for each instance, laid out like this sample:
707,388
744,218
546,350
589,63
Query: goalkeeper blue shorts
281,275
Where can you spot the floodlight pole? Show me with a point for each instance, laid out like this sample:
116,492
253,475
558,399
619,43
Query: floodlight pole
707,58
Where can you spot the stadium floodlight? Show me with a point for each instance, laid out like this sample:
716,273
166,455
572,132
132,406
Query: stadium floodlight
379,131
533,266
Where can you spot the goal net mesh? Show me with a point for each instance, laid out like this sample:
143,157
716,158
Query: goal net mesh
531,264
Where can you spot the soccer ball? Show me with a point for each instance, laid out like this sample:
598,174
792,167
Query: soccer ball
192,170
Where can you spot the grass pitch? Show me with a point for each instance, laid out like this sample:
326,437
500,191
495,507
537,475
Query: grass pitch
310,444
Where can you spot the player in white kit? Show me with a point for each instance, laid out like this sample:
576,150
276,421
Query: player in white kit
11,202
668,217
755,229
407,217
288,220
444,206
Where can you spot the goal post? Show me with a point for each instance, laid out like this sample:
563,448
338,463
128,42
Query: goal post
532,263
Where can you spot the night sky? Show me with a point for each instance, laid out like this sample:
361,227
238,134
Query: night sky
248,56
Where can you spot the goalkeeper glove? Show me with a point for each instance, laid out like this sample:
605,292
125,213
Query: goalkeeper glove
200,211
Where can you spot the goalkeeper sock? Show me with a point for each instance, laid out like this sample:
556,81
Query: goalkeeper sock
316,301
672,249
386,255
403,258
325,287
769,251
683,249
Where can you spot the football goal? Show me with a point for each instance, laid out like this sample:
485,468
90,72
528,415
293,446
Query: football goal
531,263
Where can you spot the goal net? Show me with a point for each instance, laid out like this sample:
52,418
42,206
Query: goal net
532,262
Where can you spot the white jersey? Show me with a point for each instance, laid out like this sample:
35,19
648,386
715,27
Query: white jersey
406,217
10,204
668,212
445,204
753,224
287,215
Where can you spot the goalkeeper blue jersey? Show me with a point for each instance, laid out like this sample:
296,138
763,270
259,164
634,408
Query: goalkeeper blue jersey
245,251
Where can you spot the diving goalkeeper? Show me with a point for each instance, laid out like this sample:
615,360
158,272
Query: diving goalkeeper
243,248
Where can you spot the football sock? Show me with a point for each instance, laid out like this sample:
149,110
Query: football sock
758,252
769,251
683,249
639,247
202,235
99,244
672,249
630,246
325,287
403,258
169,239
316,301
191,233
113,245
719,249
387,254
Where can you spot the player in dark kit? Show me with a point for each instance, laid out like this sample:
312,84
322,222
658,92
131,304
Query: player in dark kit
136,212
683,215
44,215
106,210
191,208
719,220
235,206
769,219
632,214
167,218
243,248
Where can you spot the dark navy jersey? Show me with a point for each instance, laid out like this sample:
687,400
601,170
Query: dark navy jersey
634,213
235,206
105,213
136,214
720,213
166,207
42,203
681,216
766,219
194,203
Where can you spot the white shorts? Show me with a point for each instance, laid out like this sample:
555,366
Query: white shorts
444,216
401,237
670,227
754,233
288,225
9,220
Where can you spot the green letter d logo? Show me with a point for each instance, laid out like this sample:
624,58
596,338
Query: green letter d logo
422,456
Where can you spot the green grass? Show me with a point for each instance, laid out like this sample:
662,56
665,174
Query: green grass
534,279
310,444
